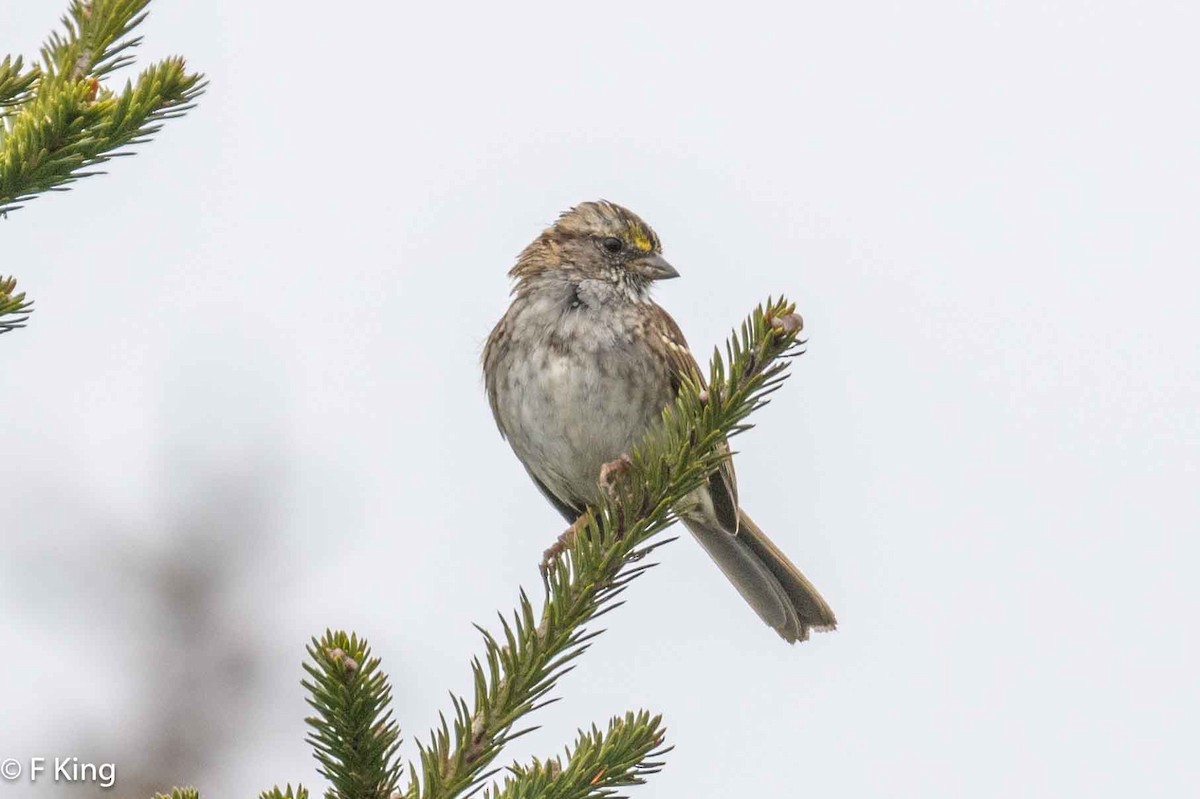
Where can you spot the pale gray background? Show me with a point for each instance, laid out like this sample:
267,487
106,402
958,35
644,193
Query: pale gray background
256,347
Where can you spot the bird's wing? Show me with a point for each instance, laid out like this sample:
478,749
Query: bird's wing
493,350
722,485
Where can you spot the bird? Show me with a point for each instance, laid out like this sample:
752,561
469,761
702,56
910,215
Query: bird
580,368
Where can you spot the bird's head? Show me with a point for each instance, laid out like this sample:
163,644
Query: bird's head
597,241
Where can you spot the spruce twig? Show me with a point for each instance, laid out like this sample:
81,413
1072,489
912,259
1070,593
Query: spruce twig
58,119
598,766
353,735
523,663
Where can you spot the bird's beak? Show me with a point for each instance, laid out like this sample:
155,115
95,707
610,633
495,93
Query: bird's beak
654,267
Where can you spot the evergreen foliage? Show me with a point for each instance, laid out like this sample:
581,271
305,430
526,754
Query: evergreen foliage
598,764
275,793
12,305
58,119
353,734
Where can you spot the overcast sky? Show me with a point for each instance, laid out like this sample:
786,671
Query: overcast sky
987,460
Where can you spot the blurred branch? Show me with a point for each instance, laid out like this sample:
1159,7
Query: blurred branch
276,793
179,793
176,614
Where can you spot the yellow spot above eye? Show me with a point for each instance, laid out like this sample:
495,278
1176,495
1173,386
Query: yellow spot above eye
642,241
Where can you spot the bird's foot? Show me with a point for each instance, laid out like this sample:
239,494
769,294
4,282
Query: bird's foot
563,543
612,473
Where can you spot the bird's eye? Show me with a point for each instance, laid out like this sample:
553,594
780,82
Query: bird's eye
612,244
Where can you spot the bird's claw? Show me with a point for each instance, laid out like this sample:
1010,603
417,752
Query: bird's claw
562,544
613,473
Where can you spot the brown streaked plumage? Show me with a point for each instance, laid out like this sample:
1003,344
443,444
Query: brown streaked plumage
581,366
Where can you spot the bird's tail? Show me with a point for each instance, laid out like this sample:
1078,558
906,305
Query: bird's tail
763,575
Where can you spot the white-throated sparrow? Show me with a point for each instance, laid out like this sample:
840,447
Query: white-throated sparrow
582,365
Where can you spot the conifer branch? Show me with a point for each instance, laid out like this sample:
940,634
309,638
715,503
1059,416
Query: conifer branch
353,735
61,120
598,766
58,120
524,663
12,305
95,42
